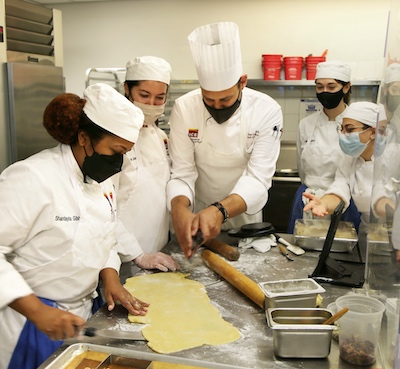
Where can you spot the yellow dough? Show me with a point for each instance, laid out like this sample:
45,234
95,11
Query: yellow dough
180,315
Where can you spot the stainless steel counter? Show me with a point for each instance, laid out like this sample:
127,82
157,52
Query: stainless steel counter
255,348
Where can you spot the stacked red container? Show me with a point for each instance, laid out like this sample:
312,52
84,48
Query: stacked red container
311,65
293,67
272,66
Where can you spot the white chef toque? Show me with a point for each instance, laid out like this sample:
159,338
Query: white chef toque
148,68
364,112
113,112
334,69
392,73
217,57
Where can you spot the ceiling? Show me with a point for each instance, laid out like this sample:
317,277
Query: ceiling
46,2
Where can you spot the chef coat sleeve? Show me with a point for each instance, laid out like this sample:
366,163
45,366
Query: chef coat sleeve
128,246
264,123
25,210
341,185
181,149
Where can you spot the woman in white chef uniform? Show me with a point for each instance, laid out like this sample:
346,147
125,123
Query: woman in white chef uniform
58,226
146,170
224,142
354,176
318,151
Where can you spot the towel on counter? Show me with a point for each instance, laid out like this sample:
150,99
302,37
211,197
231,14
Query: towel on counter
260,244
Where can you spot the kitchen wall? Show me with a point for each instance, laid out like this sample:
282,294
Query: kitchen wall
107,34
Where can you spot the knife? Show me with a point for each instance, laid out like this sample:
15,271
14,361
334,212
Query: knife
197,241
113,334
284,252
292,248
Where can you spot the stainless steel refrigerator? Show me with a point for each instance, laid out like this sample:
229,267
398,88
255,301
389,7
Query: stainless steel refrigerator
30,88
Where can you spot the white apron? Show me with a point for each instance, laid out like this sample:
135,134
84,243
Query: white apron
93,241
220,161
142,202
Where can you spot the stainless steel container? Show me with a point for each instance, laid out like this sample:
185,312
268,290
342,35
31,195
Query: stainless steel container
310,234
291,293
299,332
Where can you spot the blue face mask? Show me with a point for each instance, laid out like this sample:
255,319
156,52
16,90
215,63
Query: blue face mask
351,144
380,144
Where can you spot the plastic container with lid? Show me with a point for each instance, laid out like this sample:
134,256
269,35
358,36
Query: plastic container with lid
293,67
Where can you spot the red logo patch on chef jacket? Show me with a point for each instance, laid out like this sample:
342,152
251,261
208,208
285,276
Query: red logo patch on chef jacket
193,133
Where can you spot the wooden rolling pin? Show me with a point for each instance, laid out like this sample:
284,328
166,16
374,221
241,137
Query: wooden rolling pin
227,251
237,279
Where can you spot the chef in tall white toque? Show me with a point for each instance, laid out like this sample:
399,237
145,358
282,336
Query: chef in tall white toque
224,142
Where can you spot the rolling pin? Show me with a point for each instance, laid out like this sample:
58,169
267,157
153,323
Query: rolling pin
229,252
237,279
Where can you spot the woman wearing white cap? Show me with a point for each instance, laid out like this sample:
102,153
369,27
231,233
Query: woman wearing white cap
354,176
224,142
318,151
142,202
58,226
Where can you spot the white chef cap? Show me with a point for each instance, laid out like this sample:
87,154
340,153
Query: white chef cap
392,73
364,112
334,69
216,53
148,68
113,112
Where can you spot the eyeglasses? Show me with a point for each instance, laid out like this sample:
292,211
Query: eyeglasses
349,129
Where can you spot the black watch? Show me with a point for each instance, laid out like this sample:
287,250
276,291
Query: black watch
221,208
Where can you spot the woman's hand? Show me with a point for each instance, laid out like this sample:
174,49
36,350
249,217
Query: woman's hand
55,323
316,205
157,260
114,291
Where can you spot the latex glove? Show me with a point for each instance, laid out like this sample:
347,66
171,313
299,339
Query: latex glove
157,260
260,244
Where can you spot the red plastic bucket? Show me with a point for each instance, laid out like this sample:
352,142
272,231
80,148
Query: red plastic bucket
293,66
272,66
311,65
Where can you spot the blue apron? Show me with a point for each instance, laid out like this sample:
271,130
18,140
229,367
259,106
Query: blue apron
34,347
350,215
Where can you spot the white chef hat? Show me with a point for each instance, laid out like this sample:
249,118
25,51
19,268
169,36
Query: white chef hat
334,69
216,53
364,112
148,68
112,111
392,73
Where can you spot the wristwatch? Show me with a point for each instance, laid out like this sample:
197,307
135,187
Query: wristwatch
221,208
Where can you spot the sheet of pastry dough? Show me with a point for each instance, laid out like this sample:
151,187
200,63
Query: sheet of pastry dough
180,315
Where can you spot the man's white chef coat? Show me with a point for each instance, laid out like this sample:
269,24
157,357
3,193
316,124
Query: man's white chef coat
211,161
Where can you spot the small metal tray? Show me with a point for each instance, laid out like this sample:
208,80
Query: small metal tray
299,332
291,293
310,234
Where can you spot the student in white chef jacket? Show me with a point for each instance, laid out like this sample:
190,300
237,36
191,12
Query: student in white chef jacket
224,142
318,151
58,226
354,176
142,201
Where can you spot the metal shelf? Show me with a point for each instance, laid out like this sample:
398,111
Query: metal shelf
303,82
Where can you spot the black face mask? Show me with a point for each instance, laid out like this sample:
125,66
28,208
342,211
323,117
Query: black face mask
392,102
222,115
330,100
100,167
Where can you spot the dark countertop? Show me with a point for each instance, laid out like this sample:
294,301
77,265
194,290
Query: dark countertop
255,348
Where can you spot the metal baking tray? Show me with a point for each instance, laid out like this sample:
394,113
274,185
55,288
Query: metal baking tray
299,332
310,234
378,239
123,357
291,293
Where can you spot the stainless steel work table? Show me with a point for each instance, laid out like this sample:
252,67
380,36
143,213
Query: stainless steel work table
255,348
